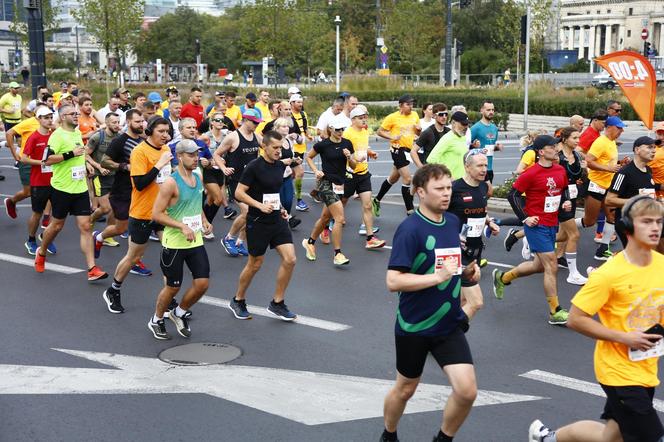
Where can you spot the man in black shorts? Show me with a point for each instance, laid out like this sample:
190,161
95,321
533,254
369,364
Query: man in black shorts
267,225
425,267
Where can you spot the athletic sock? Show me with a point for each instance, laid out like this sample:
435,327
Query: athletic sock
442,437
609,229
369,237
116,285
298,188
510,276
179,312
337,251
384,188
311,241
579,223
407,198
571,263
156,319
390,437
32,239
554,306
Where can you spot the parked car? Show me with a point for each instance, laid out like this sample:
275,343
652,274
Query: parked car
606,81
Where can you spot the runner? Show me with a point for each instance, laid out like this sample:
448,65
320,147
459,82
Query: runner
626,295
232,110
237,150
301,127
657,167
70,192
96,148
10,106
178,208
266,226
470,194
36,151
452,147
150,164
427,274
430,136
577,122
335,152
193,108
286,193
87,123
485,132
602,159
400,128
263,104
545,185
427,116
324,119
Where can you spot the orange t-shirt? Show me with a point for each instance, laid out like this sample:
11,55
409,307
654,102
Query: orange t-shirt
142,159
657,166
86,124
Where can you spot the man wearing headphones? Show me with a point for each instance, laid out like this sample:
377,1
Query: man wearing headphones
626,294
633,179
150,166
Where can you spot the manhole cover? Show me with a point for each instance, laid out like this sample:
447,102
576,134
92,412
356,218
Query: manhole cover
206,353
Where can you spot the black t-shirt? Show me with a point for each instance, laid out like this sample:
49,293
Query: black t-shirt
469,205
205,125
263,179
574,170
629,181
119,151
429,138
125,107
333,159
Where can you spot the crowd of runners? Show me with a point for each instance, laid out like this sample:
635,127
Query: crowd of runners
152,168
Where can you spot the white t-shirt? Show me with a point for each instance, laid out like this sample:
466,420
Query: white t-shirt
101,114
424,124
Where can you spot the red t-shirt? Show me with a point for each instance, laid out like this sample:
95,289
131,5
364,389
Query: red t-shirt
35,149
543,187
193,111
587,138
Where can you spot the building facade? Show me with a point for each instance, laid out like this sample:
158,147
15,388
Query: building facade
598,27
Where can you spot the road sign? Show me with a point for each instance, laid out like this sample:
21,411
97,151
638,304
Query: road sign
644,34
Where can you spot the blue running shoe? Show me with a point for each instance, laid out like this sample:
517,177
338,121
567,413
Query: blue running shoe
124,235
301,206
140,269
32,247
51,247
229,246
242,249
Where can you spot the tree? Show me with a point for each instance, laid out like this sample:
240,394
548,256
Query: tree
49,10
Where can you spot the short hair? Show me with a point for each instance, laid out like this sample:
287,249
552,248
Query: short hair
172,102
184,121
468,156
439,107
263,90
486,102
148,104
138,95
110,115
131,112
84,100
71,83
46,96
644,206
567,132
429,172
61,111
231,94
215,113
458,108
611,103
196,89
270,136
82,92
425,105
282,122
339,101
273,102
600,114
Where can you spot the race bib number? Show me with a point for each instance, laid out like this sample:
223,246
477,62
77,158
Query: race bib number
288,172
46,169
594,187
489,148
649,192
338,188
78,173
452,253
551,204
272,200
475,227
573,191
195,222
164,173
656,351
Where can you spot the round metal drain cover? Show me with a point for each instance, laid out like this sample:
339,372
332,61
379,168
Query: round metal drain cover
205,353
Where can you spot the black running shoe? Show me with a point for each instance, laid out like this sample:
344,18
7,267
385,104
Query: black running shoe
562,262
281,311
181,324
510,239
239,309
158,329
294,222
112,300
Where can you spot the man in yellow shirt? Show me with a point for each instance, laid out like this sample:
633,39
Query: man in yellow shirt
602,159
263,104
10,106
171,94
64,88
232,110
300,126
627,294
400,128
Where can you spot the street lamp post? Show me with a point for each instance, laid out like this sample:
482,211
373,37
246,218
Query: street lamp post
337,21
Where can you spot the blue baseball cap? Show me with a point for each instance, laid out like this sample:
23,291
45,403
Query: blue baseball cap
615,121
154,97
252,115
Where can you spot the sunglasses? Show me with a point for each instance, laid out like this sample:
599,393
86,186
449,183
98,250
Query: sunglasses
471,153
340,130
217,120
441,114
616,110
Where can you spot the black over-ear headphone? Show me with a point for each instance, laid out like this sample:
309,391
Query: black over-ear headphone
626,217
154,121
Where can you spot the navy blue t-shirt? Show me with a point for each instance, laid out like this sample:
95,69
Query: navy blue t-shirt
435,311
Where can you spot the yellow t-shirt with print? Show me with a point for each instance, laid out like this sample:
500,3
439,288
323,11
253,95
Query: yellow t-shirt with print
12,103
606,152
24,129
398,124
627,298
265,110
235,114
360,140
299,119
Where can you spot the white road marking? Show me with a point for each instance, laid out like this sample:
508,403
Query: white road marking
261,311
30,262
575,384
306,397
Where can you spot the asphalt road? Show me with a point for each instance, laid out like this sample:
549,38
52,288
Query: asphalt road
126,398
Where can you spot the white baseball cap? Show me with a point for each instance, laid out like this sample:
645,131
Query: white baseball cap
338,122
358,111
43,111
293,90
296,97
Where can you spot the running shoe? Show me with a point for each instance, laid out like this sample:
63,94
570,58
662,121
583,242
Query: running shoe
229,246
51,249
181,324
309,249
280,310
374,243
32,247
110,242
498,284
96,274
562,262
97,244
45,222
301,206
590,269
10,208
487,232
525,250
375,207
559,317
239,308
598,238
383,438
229,213
113,302
510,239
483,263
158,329
363,229
325,236
603,253
241,248
15,167
208,236
154,236
124,235
340,259
537,431
314,196
577,279
294,222
140,269
40,262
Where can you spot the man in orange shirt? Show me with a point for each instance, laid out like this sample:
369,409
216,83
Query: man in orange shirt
150,164
657,164
87,123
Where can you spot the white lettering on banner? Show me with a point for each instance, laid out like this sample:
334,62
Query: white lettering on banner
273,200
78,173
450,253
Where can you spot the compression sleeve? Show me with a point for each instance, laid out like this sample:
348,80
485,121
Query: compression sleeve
143,181
516,201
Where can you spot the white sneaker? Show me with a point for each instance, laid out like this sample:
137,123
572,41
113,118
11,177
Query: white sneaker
537,431
577,279
589,270
209,236
363,230
525,250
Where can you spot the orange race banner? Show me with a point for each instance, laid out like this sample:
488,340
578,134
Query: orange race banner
637,79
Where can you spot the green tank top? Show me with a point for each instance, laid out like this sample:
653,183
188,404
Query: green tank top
188,210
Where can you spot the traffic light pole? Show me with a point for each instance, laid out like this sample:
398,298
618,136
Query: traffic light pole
527,69
448,46
36,43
